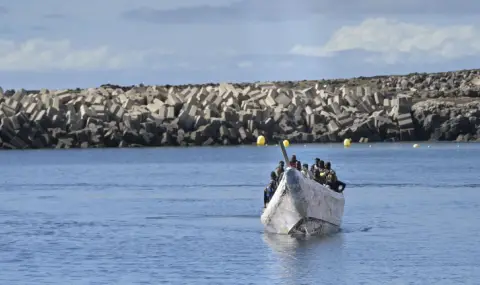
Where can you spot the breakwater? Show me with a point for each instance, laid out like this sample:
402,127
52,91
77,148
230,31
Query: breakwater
436,106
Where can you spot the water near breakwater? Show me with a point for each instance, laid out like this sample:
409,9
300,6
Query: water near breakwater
191,216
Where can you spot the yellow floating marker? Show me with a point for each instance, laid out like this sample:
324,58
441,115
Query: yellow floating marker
416,145
286,143
261,140
347,142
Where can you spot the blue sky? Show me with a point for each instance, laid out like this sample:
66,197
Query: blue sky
68,44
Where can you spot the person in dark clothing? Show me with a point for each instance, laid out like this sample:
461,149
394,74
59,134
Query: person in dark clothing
280,167
299,165
321,165
316,176
280,170
270,189
293,161
315,165
332,180
328,165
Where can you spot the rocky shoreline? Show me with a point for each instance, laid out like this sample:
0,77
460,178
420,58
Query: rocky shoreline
415,107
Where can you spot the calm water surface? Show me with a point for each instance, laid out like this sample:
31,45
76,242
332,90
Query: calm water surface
191,216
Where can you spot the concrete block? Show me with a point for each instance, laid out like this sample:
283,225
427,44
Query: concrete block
7,110
270,99
407,134
332,126
199,121
174,100
308,110
230,116
365,107
404,100
386,103
170,112
313,119
297,101
127,104
379,99
370,101
317,101
367,90
309,92
336,108
351,100
359,91
155,106
404,116
186,121
283,99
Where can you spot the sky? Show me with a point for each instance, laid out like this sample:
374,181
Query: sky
70,44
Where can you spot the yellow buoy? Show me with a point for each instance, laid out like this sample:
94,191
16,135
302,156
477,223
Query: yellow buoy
286,143
416,145
347,142
261,140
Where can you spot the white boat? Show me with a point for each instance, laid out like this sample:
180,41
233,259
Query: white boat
303,206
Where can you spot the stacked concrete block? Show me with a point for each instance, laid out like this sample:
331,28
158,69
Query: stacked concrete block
312,111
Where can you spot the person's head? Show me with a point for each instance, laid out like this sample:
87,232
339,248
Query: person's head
328,165
281,163
294,158
317,161
321,164
305,166
273,175
298,165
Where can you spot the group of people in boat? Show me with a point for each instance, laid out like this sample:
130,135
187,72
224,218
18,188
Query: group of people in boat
320,172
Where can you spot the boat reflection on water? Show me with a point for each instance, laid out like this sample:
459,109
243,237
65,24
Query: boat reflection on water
307,259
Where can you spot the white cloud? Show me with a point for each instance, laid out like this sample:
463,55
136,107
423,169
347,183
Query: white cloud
45,55
245,64
392,40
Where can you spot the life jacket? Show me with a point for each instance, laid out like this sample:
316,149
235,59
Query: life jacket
322,176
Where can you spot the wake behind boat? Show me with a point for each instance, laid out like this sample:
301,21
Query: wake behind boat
301,205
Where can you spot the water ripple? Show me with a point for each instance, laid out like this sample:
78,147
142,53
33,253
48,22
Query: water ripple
87,186
198,221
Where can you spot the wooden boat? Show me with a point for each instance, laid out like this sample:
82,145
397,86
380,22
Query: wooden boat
303,206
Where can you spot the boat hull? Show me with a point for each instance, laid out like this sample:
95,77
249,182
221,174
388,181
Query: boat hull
303,206
313,226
